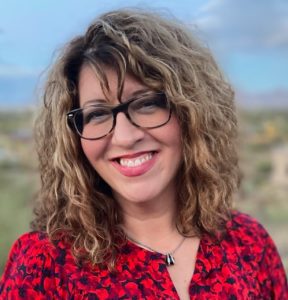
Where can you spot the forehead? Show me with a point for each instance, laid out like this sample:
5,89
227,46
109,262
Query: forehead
90,89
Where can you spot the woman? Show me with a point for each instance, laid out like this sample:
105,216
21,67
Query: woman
136,143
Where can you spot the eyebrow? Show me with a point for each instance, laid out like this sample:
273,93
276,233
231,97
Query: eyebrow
139,92
131,96
95,101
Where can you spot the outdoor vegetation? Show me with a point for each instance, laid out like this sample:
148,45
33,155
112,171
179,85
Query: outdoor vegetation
263,151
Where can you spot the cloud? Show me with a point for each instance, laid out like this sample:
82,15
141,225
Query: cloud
245,24
279,38
210,6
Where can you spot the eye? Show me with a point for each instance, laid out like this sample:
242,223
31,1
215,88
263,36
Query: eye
96,115
149,104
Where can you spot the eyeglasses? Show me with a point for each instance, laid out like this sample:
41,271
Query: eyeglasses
150,110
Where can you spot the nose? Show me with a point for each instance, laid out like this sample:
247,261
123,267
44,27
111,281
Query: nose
125,134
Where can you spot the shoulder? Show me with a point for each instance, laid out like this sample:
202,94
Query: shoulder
256,252
31,242
33,265
36,245
248,237
28,245
244,226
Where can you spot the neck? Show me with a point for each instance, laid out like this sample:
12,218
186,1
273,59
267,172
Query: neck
152,224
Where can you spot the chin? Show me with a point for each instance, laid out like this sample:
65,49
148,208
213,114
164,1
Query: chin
137,197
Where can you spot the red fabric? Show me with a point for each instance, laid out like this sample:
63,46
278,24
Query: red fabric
244,265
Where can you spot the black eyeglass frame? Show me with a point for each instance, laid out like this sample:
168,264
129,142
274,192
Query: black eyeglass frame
122,107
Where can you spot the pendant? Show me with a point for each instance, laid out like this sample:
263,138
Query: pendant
169,259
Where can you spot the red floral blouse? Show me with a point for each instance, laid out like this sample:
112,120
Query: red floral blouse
243,265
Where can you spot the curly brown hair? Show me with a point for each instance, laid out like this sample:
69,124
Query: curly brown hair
164,56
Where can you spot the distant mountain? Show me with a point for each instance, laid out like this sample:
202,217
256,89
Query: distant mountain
17,92
265,100
20,92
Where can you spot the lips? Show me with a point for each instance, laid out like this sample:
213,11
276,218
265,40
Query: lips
135,164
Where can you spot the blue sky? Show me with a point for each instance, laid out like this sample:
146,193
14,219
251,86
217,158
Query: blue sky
249,38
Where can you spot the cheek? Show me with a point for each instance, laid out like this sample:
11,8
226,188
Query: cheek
173,134
93,150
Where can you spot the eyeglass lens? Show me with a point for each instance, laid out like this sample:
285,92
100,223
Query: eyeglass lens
147,111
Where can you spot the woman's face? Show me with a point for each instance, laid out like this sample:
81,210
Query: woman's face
139,165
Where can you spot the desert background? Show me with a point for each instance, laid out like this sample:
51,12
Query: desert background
250,42
263,159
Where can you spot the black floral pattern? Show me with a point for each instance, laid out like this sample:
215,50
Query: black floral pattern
243,265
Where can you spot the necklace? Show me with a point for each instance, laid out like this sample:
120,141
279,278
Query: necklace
169,258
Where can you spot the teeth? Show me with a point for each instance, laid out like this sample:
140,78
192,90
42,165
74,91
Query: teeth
136,161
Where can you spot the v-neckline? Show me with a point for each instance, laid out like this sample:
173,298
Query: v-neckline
204,242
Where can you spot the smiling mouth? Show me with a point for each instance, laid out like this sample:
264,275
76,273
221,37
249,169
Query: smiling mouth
131,162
